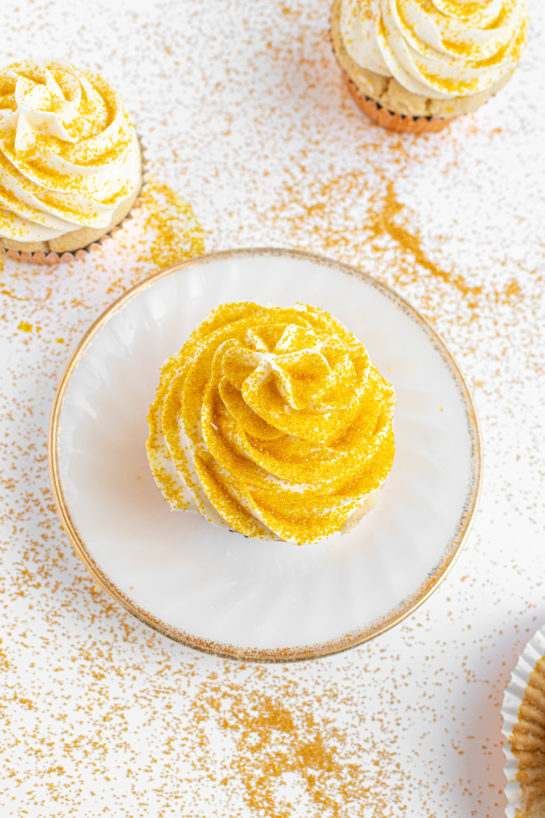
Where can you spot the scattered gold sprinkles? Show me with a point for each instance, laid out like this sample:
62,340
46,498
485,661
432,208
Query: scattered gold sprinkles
170,221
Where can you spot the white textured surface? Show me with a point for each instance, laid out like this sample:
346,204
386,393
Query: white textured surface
245,114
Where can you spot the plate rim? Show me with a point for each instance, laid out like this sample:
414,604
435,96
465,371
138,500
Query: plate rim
278,655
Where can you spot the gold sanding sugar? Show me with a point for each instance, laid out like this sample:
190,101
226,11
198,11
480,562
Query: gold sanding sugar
275,419
287,759
176,233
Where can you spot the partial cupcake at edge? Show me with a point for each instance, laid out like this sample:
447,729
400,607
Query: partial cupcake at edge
70,159
415,65
272,422
524,728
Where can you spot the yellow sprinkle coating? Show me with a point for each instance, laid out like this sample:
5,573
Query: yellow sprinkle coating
272,421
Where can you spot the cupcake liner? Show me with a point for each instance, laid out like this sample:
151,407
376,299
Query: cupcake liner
52,257
523,713
401,123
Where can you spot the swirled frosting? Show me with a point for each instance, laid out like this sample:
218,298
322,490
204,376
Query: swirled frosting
437,48
272,421
68,154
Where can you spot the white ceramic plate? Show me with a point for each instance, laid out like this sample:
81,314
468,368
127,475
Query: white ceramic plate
216,590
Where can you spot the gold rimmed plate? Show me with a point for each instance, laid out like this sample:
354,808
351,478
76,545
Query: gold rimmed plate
218,591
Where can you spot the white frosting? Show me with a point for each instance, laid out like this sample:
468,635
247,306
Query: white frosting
68,153
437,48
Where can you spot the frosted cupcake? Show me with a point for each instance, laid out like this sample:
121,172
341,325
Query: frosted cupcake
524,727
70,162
414,65
272,422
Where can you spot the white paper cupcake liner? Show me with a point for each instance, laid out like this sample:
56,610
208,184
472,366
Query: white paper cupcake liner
517,806
50,258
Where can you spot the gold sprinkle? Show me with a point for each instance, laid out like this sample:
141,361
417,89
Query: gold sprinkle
170,219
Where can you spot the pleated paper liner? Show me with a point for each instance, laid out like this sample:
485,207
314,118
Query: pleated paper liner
51,257
523,714
401,123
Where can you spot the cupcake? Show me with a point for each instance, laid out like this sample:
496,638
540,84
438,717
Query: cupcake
273,422
524,727
414,65
70,161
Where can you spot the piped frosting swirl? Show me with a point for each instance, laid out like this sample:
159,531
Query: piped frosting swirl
69,155
272,421
439,49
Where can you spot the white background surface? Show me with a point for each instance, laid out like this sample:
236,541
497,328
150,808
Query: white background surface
244,113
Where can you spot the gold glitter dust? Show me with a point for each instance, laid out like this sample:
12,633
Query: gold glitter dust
385,216
511,293
176,233
383,220
164,231
274,743
343,223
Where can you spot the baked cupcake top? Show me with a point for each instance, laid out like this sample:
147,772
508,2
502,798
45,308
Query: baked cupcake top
439,49
272,421
69,155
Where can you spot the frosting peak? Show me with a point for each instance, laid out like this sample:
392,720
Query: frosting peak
272,421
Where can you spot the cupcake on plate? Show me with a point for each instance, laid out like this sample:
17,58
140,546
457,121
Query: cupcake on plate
273,422
70,160
414,65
